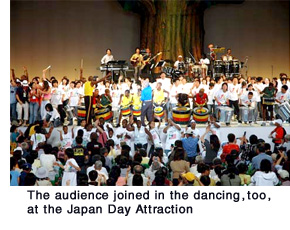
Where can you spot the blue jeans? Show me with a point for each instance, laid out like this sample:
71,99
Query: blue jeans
13,115
33,112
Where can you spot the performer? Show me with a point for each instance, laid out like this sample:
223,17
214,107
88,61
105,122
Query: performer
228,56
147,106
179,64
200,99
268,100
159,98
212,56
108,57
125,101
136,61
233,96
145,63
249,100
89,87
204,62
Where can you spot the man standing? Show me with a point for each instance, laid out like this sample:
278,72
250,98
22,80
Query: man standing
190,144
268,100
22,102
136,61
233,96
89,87
147,106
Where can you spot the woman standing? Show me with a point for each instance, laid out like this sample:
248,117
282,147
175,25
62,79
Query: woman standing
45,95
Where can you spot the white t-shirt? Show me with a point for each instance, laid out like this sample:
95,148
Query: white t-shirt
37,138
260,87
264,179
107,58
184,88
245,101
233,92
65,90
221,97
210,96
173,92
54,114
74,97
47,160
173,134
115,93
56,96
282,97
156,137
67,140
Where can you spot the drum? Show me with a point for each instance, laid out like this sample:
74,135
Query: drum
105,113
181,115
196,69
200,114
224,114
81,112
136,111
247,114
228,66
268,101
218,66
126,111
236,66
159,112
284,111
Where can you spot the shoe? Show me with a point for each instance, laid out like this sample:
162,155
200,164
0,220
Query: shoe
255,122
271,123
263,123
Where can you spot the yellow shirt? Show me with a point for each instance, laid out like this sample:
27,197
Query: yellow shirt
32,131
126,101
245,178
136,100
158,96
140,59
88,89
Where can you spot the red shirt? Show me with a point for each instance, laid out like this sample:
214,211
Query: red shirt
279,134
227,150
200,100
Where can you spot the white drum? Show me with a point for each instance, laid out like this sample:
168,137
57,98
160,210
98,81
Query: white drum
247,114
224,114
284,111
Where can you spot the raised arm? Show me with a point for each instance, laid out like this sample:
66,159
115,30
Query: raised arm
26,72
13,75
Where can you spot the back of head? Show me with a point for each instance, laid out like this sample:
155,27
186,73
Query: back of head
98,165
265,166
205,180
137,180
93,175
82,179
47,149
138,169
29,179
231,137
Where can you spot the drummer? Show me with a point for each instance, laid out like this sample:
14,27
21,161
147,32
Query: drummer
248,100
269,94
159,98
125,101
204,62
228,56
179,64
222,96
200,99
283,95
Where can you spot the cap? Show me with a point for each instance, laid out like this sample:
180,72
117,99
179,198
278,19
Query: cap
25,83
189,131
26,166
180,56
193,121
283,173
41,173
189,176
278,121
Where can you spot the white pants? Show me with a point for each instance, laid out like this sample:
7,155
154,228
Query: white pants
19,108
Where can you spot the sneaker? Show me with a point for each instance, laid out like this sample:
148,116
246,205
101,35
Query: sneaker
272,123
263,123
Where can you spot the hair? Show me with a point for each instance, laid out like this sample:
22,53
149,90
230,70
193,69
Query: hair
80,133
79,140
225,84
137,169
108,49
179,154
261,147
82,179
93,175
253,139
231,170
49,107
69,152
13,128
12,163
205,180
29,179
159,180
201,167
265,166
47,148
285,87
137,157
137,180
250,93
231,137
267,146
178,144
98,164
214,141
242,167
54,81
45,85
198,159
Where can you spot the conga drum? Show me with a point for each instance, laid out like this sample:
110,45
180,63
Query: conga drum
181,115
126,111
136,111
81,113
218,66
105,113
200,115
159,112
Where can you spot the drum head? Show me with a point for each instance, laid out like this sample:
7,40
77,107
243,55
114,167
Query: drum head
200,110
158,109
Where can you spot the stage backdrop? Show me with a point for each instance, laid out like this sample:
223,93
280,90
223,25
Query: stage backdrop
60,33
258,29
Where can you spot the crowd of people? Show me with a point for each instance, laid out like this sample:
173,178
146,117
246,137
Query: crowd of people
126,150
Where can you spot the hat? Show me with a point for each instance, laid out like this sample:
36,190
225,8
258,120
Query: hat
189,131
278,121
283,173
18,81
41,173
14,122
18,148
180,56
25,83
26,166
193,121
189,176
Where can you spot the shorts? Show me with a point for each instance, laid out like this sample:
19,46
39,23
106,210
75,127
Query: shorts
268,107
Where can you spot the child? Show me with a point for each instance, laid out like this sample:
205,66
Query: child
245,179
52,116
66,137
42,177
14,174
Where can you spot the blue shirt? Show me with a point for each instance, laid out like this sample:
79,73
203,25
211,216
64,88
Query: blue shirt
256,161
14,178
190,146
13,94
146,94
